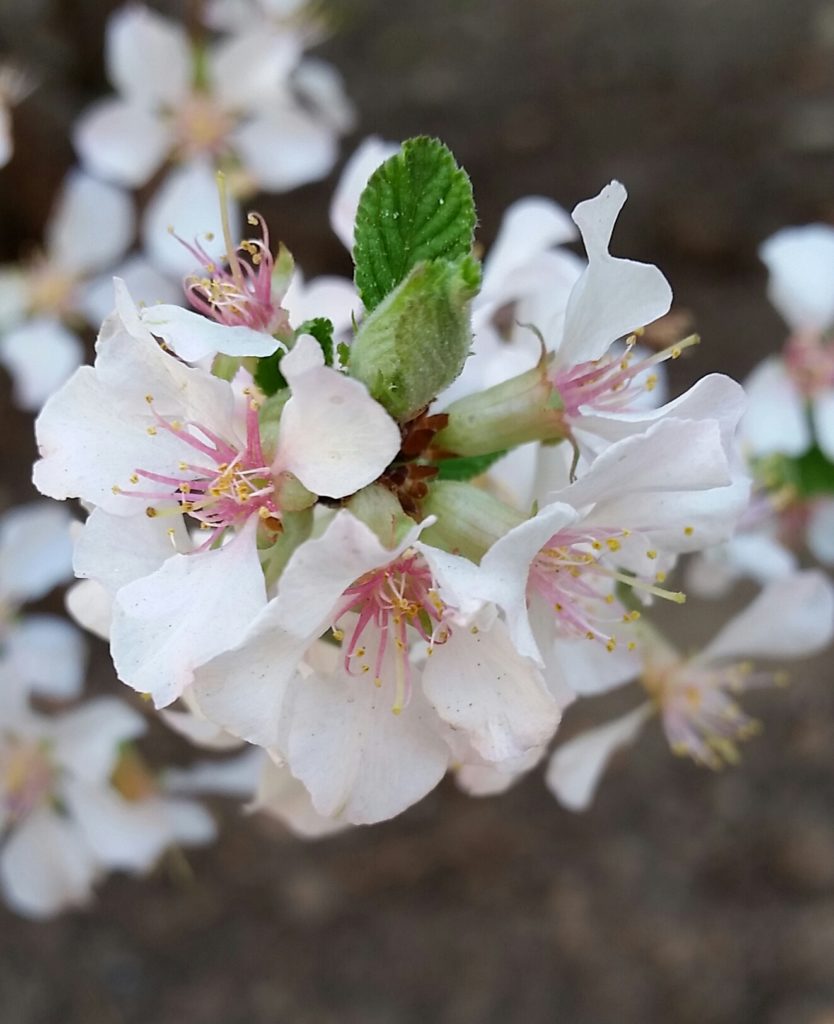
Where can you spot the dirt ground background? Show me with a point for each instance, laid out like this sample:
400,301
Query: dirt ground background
683,897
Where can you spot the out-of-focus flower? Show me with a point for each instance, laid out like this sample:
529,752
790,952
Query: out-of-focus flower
696,697
15,86
45,299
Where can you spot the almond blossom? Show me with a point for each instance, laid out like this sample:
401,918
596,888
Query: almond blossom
15,86
233,103
696,696
51,294
383,605
143,435
784,390
63,821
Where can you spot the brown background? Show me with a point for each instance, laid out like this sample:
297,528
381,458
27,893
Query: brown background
683,897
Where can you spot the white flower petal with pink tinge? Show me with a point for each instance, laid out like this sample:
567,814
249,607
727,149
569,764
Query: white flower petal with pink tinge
187,612
801,266
333,297
46,866
35,551
754,555
284,148
143,281
612,297
91,606
820,531
40,355
822,414
791,618
322,88
282,796
187,201
359,761
250,69
775,420
122,142
149,58
194,337
479,684
577,766
48,655
372,152
333,436
93,433
91,225
86,740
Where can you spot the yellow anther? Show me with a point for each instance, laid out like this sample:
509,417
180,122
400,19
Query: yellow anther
613,544
116,489
689,530
134,478
651,554
152,431
150,512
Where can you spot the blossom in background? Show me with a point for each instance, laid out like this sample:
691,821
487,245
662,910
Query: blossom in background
65,814
38,652
15,86
783,390
45,299
696,696
233,102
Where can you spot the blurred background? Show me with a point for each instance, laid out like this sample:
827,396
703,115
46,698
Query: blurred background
683,896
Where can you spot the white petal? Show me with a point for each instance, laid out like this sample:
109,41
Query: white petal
820,531
791,618
589,668
506,566
104,553
333,297
233,776
39,355
194,337
148,57
822,412
45,866
35,550
91,606
756,556
14,295
801,265
248,69
91,225
143,281
93,433
359,760
334,437
283,797
190,610
530,226
199,731
284,148
86,740
131,835
576,767
122,142
371,153
48,654
775,420
613,296
187,201
479,684
322,88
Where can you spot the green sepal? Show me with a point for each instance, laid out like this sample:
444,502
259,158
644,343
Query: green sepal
416,341
268,374
467,468
416,207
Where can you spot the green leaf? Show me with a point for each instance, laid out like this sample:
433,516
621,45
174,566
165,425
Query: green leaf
813,474
467,468
322,330
417,206
268,375
415,343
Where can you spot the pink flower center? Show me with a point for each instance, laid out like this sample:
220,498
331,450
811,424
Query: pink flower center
810,362
610,384
570,575
26,776
201,126
223,488
241,293
389,602
701,719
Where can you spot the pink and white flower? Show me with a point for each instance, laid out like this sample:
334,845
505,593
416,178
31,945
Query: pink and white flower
696,696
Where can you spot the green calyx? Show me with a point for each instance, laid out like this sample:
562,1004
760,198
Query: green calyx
469,519
416,341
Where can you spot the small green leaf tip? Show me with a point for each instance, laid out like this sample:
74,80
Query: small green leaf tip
322,330
416,207
416,341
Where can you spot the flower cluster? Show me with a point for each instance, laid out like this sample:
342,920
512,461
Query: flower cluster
298,546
